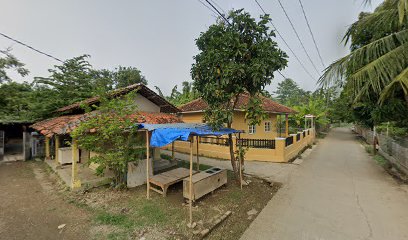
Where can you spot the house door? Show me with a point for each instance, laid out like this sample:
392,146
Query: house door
1,145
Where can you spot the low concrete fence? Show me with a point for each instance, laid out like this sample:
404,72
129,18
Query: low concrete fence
269,150
389,147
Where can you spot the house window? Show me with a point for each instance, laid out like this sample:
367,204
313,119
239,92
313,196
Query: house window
251,129
267,126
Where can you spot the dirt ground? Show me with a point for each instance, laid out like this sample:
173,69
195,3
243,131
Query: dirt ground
34,204
127,214
31,209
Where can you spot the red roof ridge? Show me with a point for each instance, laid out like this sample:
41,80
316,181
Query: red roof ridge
195,100
268,105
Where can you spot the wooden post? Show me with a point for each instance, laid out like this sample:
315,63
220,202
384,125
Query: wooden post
57,142
198,157
191,183
172,150
75,181
240,160
147,165
305,123
47,148
287,124
280,125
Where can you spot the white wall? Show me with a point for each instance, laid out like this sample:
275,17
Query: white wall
146,105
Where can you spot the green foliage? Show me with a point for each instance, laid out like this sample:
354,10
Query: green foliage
15,102
394,129
315,106
114,219
340,110
73,80
290,94
377,67
187,94
9,62
76,80
234,59
108,132
126,76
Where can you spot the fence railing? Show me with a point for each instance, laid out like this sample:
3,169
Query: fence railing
304,134
298,137
388,145
256,143
289,141
214,140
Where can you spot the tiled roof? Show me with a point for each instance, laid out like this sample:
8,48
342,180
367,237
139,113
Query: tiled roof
66,124
143,90
57,125
243,99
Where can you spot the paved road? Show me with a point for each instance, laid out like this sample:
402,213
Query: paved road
338,192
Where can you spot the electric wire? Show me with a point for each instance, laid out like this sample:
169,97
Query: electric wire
298,37
286,43
311,33
28,46
219,13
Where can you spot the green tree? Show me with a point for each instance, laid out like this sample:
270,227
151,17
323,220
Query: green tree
125,76
315,106
188,93
108,131
76,80
73,81
289,93
233,59
377,65
15,102
178,98
9,62
376,69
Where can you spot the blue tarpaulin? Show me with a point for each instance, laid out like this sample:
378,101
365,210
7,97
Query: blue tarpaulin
164,134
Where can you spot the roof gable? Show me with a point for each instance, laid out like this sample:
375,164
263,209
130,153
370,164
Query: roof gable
146,92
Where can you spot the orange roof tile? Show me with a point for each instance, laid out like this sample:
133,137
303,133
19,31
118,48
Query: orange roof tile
268,105
66,124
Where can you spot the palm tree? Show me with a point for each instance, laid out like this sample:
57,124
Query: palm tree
378,62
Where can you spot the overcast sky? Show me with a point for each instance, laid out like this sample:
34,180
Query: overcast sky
158,36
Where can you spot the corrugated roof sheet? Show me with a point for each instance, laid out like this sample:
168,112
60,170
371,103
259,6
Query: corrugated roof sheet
243,99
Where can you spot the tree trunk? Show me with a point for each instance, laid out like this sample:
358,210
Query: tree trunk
230,143
232,155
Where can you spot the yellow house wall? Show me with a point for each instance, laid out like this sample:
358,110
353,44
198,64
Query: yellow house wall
240,123
192,117
279,154
293,150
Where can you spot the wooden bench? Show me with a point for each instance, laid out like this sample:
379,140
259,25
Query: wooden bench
166,179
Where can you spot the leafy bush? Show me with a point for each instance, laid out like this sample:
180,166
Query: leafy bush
108,132
393,130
